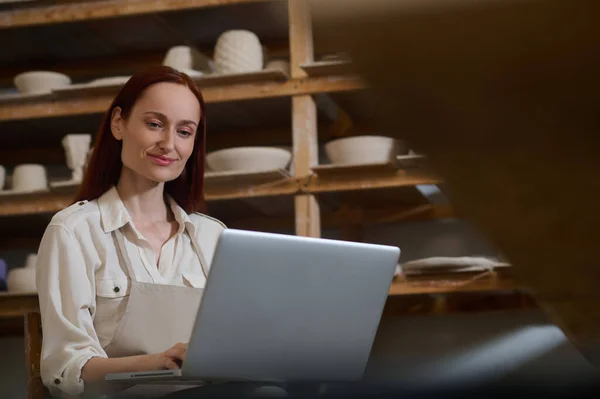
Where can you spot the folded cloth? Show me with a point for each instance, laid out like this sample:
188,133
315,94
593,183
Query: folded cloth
441,264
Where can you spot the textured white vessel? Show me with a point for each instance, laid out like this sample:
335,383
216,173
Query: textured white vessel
238,51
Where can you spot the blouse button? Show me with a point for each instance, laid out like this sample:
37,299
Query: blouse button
80,203
57,381
116,289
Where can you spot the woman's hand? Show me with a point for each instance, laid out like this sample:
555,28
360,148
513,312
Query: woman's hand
170,359
96,368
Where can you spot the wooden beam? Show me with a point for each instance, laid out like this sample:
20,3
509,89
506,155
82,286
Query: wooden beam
99,104
91,10
304,118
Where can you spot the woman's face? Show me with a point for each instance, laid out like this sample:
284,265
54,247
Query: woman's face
158,137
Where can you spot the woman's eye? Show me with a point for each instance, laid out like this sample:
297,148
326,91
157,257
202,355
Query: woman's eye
153,125
185,133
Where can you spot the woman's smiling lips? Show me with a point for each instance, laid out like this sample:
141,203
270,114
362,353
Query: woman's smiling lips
161,160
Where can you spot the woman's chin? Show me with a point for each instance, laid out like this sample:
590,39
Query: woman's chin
162,177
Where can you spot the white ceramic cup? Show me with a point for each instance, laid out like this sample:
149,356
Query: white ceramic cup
29,177
179,57
2,176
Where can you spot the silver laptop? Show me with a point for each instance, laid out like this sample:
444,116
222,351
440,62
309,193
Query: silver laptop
285,308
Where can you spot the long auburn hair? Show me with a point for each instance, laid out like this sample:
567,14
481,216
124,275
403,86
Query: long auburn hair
104,165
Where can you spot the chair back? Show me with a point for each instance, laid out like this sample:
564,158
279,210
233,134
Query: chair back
33,351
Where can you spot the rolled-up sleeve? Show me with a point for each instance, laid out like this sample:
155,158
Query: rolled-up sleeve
65,285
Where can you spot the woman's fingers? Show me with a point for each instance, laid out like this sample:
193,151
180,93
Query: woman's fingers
177,353
170,364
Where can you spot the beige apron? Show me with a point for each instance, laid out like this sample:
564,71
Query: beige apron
156,316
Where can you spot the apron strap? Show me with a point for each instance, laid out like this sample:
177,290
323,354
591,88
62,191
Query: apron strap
119,238
199,253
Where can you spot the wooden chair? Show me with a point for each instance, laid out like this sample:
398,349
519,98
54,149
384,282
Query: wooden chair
33,350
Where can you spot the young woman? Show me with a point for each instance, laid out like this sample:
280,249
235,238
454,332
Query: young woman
120,273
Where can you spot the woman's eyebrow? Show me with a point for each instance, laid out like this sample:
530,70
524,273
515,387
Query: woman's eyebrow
189,122
163,116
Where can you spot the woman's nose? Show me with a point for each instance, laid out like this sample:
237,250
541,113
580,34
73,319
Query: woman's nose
168,140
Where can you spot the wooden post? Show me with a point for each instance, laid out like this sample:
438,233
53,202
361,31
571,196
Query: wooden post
304,118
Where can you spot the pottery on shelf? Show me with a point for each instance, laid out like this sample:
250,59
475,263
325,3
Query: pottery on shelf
187,60
29,177
76,148
21,280
248,159
238,51
278,65
40,82
364,150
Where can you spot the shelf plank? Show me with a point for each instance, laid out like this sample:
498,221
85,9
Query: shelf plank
99,104
90,90
91,10
327,68
15,305
29,204
51,202
451,283
355,181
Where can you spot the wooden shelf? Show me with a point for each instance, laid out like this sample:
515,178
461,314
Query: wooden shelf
91,10
352,179
213,80
51,202
220,187
57,107
451,283
12,305
327,68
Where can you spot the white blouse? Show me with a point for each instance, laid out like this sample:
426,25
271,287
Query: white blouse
83,289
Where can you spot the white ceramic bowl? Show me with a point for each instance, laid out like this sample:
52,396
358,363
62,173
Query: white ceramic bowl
364,150
29,178
179,57
40,82
278,65
21,280
238,51
248,159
